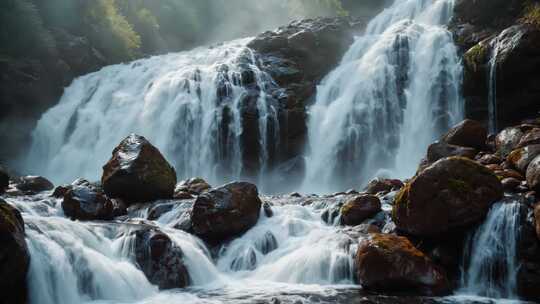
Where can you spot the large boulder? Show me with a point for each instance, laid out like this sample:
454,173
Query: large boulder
508,139
389,263
138,172
160,259
359,208
87,203
452,193
33,184
14,256
4,179
522,157
468,133
225,212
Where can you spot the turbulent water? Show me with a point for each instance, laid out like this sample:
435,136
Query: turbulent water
492,254
188,104
395,91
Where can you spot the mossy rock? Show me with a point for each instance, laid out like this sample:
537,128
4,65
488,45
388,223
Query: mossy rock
451,194
477,56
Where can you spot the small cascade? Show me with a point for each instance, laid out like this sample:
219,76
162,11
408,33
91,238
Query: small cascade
395,91
208,110
491,254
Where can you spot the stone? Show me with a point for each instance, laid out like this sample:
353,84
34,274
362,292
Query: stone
468,133
451,194
138,172
33,184
359,208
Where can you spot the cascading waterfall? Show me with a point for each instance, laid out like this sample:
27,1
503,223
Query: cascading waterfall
81,262
492,253
395,91
191,105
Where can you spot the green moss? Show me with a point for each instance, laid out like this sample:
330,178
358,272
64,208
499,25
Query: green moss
476,56
459,186
531,14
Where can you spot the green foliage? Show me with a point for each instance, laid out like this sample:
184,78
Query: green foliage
22,33
531,15
110,30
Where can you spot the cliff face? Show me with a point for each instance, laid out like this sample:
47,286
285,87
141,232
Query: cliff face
500,43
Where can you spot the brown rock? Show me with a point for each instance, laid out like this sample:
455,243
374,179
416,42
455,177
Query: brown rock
533,174
383,185
440,150
389,263
522,157
532,137
468,133
510,183
138,172
33,184
359,208
453,193
508,139
489,159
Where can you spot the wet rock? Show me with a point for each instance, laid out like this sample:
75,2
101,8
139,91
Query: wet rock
14,256
533,174
138,172
87,203
508,139
4,179
440,150
531,137
389,263
182,195
359,208
537,220
468,133
383,185
510,183
489,159
268,210
160,259
522,157
226,212
453,193
33,184
193,186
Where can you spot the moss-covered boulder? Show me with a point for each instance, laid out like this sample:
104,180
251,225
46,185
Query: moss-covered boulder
359,208
14,256
389,263
226,212
452,193
138,172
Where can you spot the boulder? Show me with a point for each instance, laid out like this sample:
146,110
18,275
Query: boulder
33,184
533,174
4,179
468,133
138,172
359,208
488,159
510,183
383,185
226,212
14,256
453,193
522,157
160,259
86,203
193,186
389,263
532,137
508,139
440,150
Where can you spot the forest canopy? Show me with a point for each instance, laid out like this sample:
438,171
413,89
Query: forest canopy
125,29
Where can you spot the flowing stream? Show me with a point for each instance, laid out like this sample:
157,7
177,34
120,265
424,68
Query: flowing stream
395,92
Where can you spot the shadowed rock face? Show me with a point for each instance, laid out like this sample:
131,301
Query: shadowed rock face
389,263
138,172
479,27
4,179
451,194
226,212
14,256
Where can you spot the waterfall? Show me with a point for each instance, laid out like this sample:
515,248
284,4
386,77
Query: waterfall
396,90
81,262
207,110
492,88
492,265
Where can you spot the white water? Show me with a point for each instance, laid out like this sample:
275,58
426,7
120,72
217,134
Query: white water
187,104
395,92
76,262
492,254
